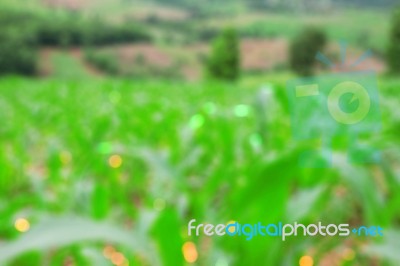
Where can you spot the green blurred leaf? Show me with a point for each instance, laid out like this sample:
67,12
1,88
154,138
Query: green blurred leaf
168,236
100,202
55,232
302,202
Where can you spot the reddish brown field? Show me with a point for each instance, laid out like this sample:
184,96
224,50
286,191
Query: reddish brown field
257,55
263,54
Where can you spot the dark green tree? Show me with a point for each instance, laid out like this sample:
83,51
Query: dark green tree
17,53
18,49
393,53
304,48
224,61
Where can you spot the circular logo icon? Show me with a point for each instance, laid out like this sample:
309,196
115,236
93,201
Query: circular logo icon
358,97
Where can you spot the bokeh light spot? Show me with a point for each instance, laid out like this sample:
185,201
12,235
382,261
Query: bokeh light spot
196,121
306,261
118,258
189,252
242,110
255,140
115,161
104,148
231,229
22,225
108,251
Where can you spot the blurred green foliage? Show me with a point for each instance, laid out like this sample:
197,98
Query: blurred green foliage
393,53
304,48
22,32
211,151
224,60
71,29
103,61
18,43
208,150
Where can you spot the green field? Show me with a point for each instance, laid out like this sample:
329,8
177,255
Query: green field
136,160
359,27
124,120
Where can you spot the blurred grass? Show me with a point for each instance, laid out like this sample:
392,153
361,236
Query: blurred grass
67,67
148,156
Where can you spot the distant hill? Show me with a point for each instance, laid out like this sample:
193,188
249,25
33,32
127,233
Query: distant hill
288,3
369,3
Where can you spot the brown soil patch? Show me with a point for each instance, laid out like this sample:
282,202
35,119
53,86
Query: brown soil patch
143,53
352,63
162,13
67,4
44,65
263,54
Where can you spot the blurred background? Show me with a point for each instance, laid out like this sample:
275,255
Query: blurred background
123,120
